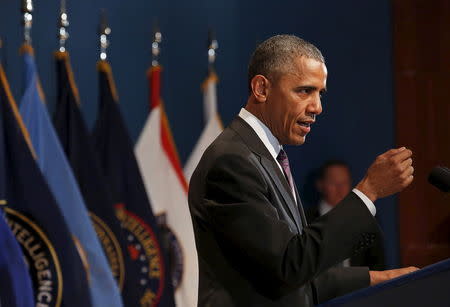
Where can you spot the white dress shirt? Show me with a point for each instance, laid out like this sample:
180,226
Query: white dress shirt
274,147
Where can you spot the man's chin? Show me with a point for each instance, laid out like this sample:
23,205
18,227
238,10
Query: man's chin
297,141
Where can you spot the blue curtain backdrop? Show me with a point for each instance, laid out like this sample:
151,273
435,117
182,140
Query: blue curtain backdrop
355,37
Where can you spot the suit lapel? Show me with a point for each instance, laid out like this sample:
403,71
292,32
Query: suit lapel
270,165
284,188
300,207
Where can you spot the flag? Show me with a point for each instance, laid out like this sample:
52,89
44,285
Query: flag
167,189
119,166
56,269
56,170
213,124
15,281
78,146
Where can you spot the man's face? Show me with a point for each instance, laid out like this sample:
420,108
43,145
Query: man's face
293,100
336,184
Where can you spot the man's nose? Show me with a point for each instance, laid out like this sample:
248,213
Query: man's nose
315,107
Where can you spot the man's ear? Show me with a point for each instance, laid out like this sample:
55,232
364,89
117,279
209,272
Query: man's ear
260,87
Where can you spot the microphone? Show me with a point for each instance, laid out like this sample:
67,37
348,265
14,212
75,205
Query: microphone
440,178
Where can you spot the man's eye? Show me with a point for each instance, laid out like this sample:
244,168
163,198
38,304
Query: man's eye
304,90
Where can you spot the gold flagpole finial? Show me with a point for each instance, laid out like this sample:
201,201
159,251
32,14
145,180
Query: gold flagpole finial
104,31
156,48
63,34
213,45
27,11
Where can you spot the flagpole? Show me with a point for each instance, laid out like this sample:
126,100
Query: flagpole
156,49
63,34
213,45
27,11
104,32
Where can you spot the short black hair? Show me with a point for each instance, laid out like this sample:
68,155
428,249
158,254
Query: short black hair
330,163
274,54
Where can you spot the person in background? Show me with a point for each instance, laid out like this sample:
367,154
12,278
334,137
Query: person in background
334,183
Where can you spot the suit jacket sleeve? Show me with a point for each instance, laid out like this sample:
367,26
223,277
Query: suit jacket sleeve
338,281
238,207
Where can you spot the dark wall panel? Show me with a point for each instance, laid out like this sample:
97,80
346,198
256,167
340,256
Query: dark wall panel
422,78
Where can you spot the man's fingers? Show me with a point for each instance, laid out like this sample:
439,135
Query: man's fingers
406,182
407,270
401,155
399,272
412,269
405,168
406,163
392,152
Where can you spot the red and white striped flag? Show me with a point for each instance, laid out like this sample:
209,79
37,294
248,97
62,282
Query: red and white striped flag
167,188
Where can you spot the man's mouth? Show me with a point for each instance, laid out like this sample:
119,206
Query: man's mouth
306,124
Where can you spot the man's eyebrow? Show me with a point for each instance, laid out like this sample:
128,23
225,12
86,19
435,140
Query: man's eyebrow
310,87
305,87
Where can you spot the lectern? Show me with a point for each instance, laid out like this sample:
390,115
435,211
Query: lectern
429,286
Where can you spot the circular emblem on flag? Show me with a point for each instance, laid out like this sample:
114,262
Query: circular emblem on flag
40,257
144,251
174,249
111,247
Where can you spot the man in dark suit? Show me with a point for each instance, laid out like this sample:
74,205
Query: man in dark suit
334,182
254,245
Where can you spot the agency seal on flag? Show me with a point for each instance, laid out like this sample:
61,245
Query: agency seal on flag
144,251
40,256
111,247
173,247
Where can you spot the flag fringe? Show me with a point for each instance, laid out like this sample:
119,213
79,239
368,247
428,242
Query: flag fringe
171,149
167,139
13,105
152,69
28,49
103,66
212,77
64,56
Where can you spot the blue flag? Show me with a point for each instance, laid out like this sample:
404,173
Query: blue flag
57,272
62,183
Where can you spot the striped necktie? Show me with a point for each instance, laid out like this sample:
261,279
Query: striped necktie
282,158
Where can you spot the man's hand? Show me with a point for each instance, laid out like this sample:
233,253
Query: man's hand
379,276
390,173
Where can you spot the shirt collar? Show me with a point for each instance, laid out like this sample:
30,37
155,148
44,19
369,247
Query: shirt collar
324,207
264,133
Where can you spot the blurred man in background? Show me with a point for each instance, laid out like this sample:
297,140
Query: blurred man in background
334,183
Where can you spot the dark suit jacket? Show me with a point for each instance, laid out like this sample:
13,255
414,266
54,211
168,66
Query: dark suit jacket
254,245
373,257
